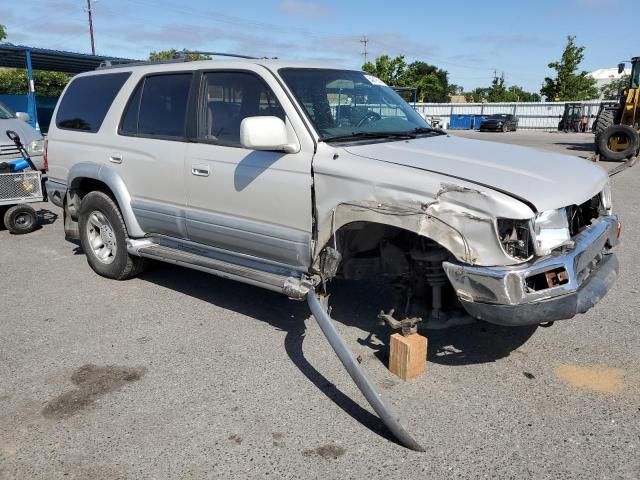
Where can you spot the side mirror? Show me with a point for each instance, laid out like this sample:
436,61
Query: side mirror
25,117
265,133
620,67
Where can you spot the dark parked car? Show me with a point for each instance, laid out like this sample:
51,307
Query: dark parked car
499,122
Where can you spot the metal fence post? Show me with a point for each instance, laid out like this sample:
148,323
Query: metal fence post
32,109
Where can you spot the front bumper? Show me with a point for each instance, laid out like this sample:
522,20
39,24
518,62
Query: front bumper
506,296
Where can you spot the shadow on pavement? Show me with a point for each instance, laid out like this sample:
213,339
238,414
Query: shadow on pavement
355,304
270,307
46,217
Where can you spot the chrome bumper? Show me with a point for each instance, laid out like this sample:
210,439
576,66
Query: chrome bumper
502,294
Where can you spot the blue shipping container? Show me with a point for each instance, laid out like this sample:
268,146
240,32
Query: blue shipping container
460,122
477,120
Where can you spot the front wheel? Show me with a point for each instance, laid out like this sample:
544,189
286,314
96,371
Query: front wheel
103,236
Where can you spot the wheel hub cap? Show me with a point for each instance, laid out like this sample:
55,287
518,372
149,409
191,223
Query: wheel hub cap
101,237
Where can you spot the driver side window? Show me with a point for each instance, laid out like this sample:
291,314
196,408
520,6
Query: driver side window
227,99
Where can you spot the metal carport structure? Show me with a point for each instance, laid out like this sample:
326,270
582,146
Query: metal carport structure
34,58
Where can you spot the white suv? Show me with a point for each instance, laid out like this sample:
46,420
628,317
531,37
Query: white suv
286,175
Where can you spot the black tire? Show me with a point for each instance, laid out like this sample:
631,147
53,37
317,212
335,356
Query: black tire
21,219
505,128
621,130
118,264
604,120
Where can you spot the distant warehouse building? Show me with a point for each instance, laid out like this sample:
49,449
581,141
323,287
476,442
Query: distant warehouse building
604,76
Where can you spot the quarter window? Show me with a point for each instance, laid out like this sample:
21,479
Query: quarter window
230,97
158,107
87,101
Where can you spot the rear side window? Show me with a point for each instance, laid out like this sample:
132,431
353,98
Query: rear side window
87,101
158,107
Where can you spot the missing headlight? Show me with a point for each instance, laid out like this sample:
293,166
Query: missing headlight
515,237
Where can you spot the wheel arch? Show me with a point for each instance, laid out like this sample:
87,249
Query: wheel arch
423,225
86,177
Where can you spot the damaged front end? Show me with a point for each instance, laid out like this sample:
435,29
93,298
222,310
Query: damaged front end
569,281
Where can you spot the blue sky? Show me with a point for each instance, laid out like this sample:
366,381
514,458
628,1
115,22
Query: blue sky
467,38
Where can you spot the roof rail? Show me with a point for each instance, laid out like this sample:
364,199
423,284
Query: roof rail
179,57
108,64
184,53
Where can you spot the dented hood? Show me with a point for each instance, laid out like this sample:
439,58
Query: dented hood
543,179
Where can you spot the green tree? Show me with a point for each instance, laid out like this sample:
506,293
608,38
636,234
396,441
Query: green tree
172,53
613,89
15,82
432,83
390,70
516,93
3,32
499,92
568,84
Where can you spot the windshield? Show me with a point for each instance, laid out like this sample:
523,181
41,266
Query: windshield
500,116
5,112
342,103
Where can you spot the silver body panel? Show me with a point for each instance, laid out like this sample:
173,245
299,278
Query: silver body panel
283,208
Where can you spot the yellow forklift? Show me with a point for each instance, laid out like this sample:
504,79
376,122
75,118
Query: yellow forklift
617,127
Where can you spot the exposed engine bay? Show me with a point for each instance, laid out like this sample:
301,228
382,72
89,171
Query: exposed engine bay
410,263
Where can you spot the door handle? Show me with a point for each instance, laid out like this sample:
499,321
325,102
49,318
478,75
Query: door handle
200,170
115,157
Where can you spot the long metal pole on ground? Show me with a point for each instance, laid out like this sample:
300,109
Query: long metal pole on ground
352,366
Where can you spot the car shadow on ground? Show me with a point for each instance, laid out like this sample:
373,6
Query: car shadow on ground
46,217
354,304
577,146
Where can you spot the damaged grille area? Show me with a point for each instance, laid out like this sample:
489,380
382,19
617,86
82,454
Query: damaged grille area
581,216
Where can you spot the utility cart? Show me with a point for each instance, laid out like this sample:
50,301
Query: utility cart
20,185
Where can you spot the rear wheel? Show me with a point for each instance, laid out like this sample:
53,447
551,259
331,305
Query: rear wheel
103,236
21,219
505,128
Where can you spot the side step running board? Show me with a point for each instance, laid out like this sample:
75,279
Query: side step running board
357,374
290,285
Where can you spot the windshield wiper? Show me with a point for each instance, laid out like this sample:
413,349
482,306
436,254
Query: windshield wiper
437,131
356,135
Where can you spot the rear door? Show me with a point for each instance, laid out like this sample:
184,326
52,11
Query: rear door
150,148
254,204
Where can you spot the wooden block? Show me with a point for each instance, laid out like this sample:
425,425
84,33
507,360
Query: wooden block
408,357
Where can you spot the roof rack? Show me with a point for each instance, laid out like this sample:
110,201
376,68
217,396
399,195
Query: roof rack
184,53
179,57
108,64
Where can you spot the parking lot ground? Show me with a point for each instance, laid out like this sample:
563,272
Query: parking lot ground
179,374
577,144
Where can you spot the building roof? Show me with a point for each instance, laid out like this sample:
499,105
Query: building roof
14,56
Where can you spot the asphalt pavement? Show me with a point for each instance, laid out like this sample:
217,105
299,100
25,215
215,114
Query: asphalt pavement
179,374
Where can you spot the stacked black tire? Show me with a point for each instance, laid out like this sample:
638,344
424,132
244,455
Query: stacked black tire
604,128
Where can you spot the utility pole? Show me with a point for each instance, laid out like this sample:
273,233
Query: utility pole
93,47
364,40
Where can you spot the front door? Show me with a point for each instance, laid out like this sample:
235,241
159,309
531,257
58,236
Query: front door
252,204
